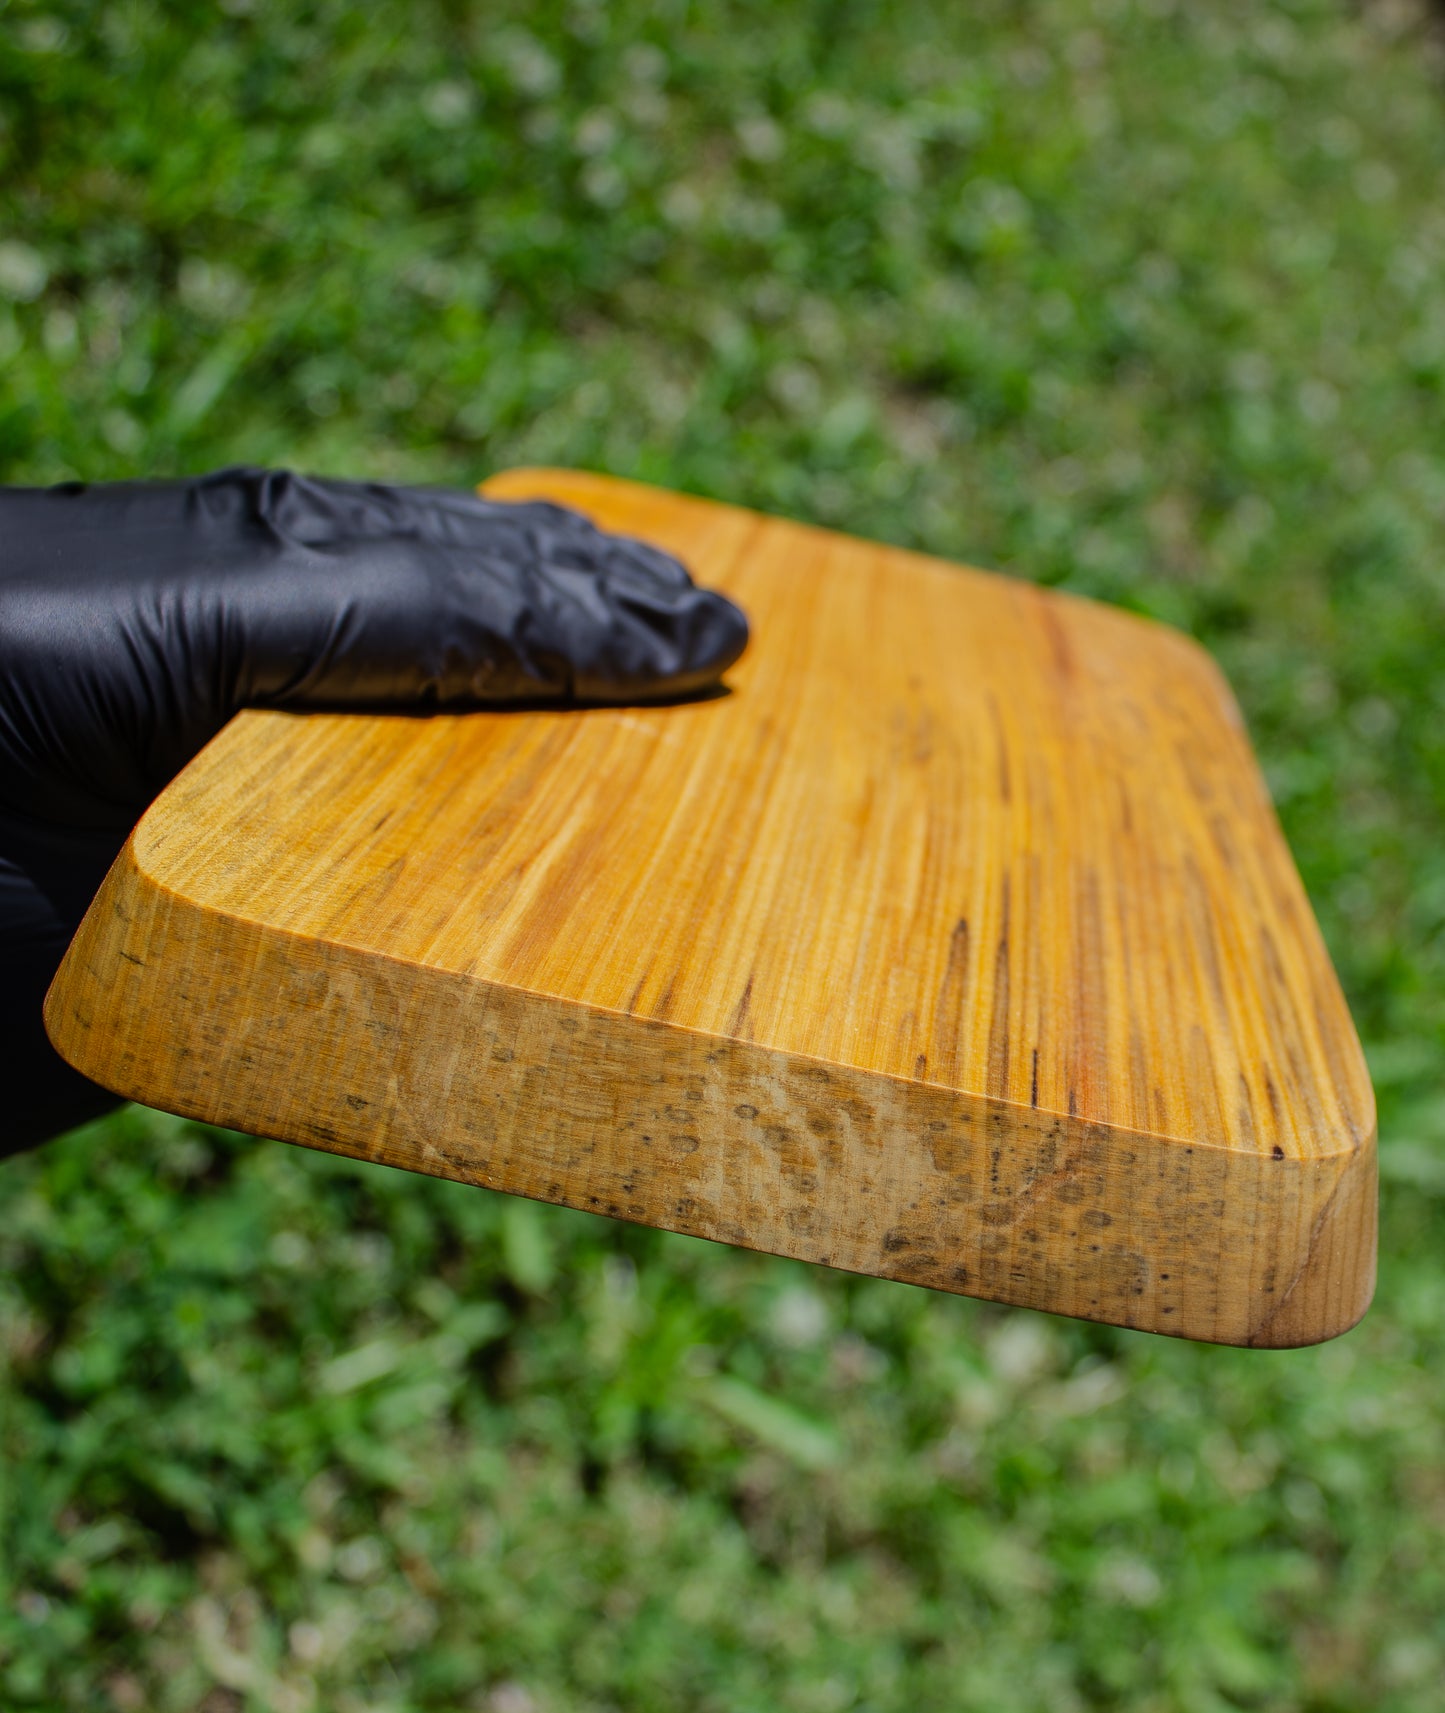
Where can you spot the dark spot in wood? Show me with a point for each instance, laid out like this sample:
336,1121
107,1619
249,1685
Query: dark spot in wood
951,1007
998,1036
1276,1153
745,1111
893,1241
1005,785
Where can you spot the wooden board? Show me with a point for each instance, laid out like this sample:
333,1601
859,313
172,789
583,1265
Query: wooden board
958,943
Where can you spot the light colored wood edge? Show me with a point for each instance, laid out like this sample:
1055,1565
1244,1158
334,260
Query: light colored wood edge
228,1021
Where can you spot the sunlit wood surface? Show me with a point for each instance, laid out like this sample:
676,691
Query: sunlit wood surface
957,943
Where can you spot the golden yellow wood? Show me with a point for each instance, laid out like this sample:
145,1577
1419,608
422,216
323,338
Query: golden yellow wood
958,944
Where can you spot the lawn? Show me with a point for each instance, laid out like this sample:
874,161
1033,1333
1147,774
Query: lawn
1137,299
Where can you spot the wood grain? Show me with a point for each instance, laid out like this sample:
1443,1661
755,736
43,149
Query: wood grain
958,943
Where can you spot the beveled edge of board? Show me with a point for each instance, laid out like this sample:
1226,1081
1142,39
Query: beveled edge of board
217,1017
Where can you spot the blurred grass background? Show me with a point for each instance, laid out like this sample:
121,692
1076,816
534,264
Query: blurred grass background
1133,297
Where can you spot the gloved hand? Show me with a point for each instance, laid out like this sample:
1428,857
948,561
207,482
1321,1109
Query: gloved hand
137,618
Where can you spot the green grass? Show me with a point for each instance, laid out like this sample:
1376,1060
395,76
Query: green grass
1140,299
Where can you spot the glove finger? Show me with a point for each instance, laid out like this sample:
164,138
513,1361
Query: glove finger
441,597
549,531
401,624
626,637
310,511
617,618
321,512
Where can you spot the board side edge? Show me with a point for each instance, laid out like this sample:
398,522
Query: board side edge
235,1023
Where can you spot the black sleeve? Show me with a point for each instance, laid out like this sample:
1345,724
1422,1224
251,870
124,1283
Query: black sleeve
42,1095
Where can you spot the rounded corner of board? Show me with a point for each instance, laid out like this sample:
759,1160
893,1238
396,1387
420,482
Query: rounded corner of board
1325,1280
100,993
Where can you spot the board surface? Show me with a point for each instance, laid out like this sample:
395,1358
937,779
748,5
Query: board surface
956,943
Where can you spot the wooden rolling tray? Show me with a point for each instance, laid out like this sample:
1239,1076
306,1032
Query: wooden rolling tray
957,943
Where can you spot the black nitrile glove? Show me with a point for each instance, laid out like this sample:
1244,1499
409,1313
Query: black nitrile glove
137,618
